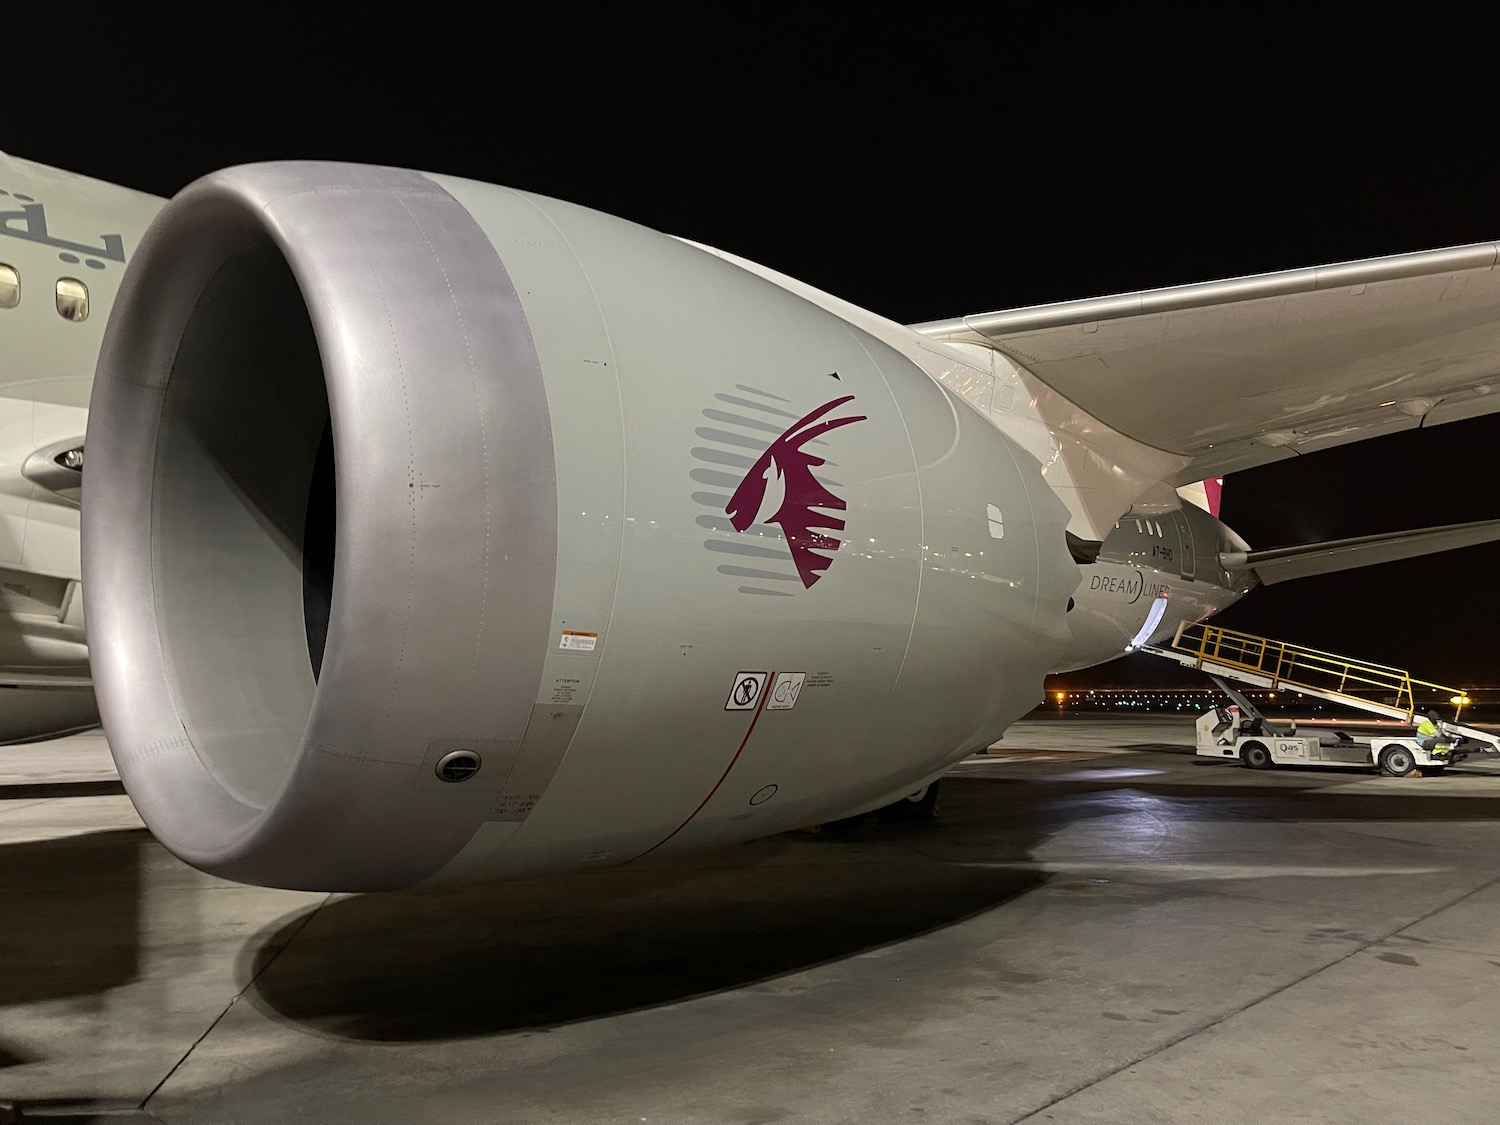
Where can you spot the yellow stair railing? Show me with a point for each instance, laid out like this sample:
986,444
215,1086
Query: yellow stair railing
1308,669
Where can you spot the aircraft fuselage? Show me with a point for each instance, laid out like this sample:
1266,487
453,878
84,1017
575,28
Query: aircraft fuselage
1175,554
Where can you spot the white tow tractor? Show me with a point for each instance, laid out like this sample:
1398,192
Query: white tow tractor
1241,731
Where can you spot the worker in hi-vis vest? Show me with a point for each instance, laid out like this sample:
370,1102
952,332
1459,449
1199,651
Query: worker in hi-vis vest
1427,735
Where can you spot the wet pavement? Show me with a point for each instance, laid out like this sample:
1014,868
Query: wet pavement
1098,928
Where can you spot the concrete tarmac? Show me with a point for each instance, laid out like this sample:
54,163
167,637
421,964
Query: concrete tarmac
1097,929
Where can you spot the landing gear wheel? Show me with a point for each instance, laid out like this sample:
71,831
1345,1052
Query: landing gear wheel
916,805
1256,756
1397,761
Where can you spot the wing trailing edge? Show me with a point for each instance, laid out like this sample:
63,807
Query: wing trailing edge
1237,373
1281,564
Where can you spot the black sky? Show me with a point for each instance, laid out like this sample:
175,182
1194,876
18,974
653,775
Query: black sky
921,175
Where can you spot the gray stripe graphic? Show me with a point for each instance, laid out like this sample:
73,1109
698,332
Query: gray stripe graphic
712,476
757,444
733,547
735,400
714,457
741,420
758,391
736,420
763,575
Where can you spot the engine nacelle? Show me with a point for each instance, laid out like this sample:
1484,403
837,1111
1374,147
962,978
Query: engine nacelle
436,531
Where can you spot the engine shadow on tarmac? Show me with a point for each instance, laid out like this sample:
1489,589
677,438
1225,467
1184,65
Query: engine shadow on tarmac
71,916
435,965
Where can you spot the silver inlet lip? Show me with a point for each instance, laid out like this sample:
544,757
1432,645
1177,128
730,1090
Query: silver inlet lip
266,306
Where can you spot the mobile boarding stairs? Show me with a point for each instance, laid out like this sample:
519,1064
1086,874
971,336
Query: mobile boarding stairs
1243,732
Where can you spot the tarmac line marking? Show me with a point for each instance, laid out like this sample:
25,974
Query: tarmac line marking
233,1000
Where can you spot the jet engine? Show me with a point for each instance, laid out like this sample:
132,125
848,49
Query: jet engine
435,531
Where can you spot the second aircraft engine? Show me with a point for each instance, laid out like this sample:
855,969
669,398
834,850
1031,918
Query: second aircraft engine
438,531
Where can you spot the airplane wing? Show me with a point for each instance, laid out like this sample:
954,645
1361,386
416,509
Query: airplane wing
1240,372
1280,564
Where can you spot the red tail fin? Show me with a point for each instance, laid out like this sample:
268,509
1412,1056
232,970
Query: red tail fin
1213,488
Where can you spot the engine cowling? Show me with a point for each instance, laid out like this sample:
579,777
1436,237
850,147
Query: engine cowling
437,531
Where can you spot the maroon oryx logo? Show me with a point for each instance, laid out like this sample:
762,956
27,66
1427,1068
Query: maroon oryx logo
803,492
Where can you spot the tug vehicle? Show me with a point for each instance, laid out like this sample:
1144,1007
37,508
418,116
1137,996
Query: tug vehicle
1240,731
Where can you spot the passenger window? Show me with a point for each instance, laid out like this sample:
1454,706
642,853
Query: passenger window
72,299
10,287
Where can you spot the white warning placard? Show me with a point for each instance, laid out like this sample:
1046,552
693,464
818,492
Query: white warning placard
579,641
785,690
744,692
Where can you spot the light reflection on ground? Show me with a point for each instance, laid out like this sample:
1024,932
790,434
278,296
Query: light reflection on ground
1102,774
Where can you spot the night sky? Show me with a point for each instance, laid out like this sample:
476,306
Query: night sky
924,182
